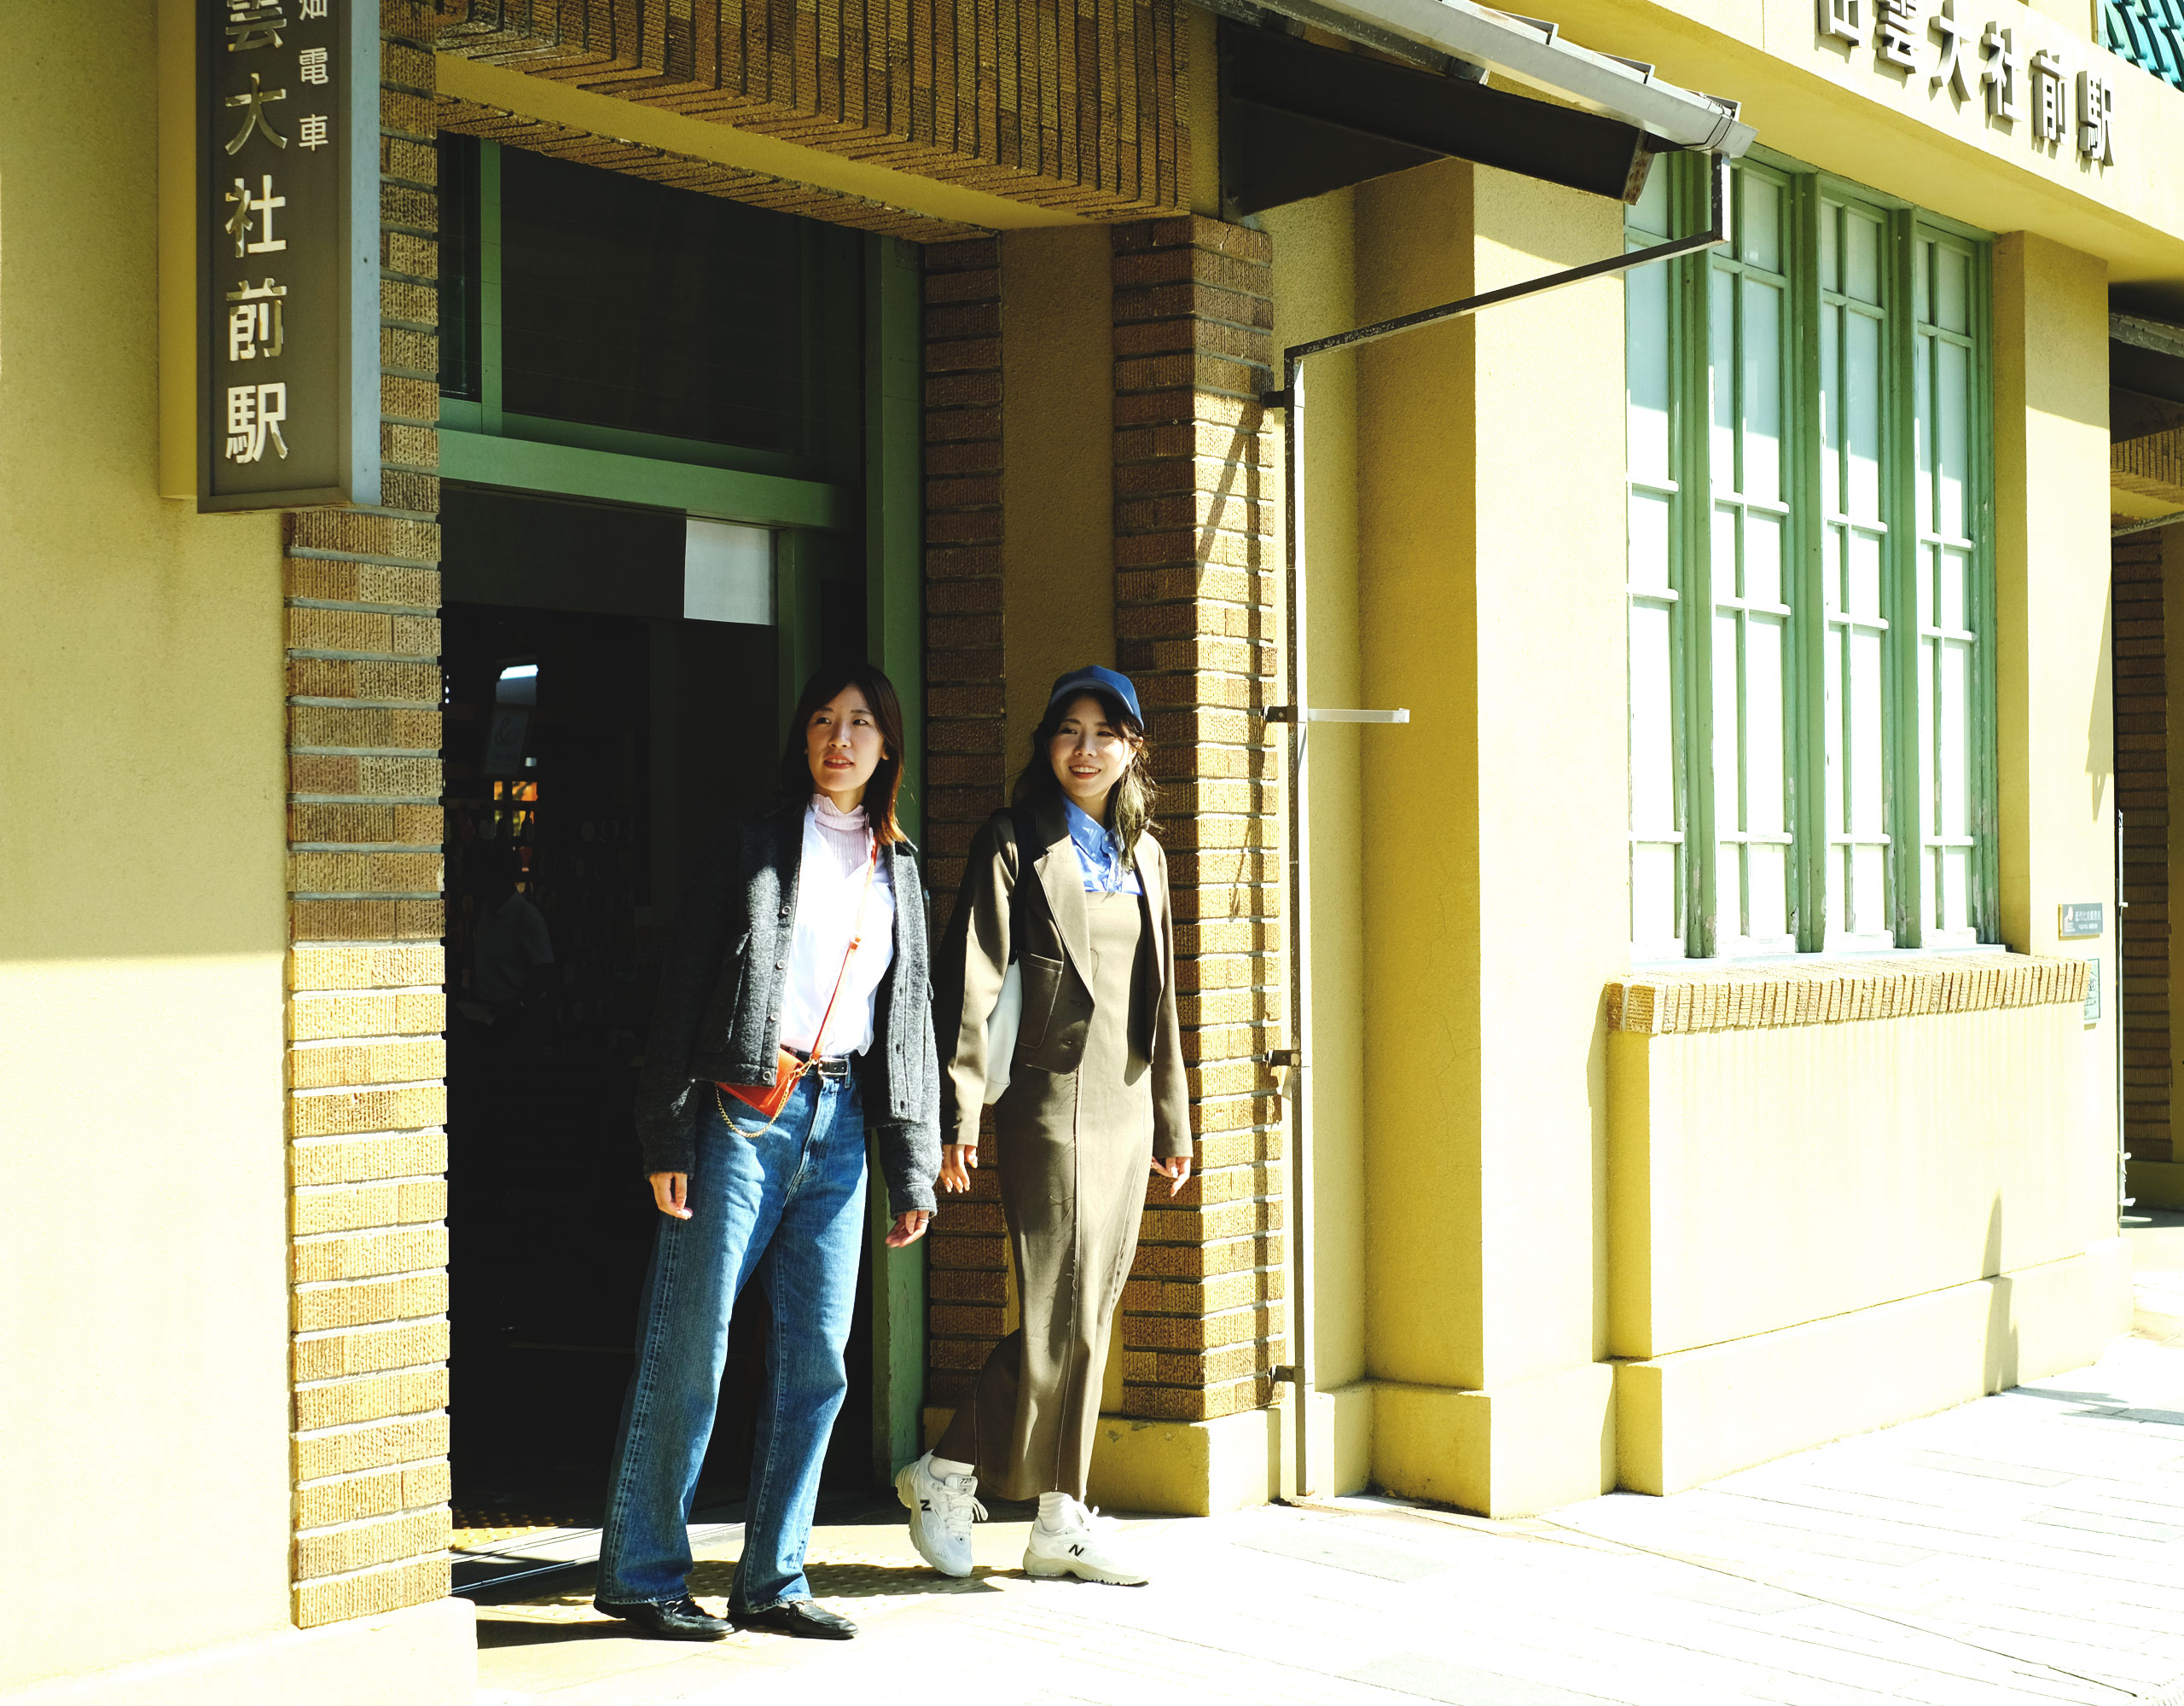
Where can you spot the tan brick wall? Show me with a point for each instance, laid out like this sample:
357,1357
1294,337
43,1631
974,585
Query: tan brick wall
1197,580
366,1011
682,171
1046,102
2142,796
966,764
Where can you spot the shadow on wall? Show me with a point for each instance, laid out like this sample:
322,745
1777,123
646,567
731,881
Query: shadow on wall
2001,1335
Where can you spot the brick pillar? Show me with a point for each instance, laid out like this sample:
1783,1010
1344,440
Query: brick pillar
366,1060
966,765
2142,796
1196,588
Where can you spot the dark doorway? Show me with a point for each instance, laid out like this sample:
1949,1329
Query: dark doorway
596,740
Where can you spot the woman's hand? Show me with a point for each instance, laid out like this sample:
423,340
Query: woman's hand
910,1226
671,1191
957,1161
1175,1169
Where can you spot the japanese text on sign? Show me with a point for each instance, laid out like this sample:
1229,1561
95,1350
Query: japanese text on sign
2065,109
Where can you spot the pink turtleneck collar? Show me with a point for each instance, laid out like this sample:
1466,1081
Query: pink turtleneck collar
850,822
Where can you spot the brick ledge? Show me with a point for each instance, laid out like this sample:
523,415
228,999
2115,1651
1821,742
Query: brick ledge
1768,995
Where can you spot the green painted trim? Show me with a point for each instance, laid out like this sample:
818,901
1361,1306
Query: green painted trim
725,494
1808,530
658,447
1902,736
1692,542
461,414
894,519
489,287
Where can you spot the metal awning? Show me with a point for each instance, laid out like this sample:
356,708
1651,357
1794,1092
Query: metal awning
1529,50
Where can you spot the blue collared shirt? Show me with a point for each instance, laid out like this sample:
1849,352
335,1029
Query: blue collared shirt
1099,856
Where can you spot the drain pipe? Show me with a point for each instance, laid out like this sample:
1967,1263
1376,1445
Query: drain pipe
1292,1064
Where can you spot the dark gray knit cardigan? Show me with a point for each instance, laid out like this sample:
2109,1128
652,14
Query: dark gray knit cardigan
718,1016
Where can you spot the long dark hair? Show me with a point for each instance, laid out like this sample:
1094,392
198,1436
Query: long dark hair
878,692
1129,807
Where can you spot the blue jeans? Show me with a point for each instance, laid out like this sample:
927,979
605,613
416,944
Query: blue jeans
787,1204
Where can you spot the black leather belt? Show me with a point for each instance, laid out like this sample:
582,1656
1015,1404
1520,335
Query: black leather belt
833,1066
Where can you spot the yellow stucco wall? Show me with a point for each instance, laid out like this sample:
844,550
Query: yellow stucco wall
142,926
144,1389
1759,1179
1490,459
1831,104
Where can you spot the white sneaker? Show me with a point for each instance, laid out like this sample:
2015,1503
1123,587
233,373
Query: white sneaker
1086,1546
942,1509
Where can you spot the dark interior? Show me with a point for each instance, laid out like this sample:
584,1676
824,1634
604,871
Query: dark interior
643,731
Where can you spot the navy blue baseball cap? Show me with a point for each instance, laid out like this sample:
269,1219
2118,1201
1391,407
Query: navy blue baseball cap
1096,678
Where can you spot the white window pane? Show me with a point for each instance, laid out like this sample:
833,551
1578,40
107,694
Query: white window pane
1861,402
1728,891
1646,372
1867,911
1954,910
1922,432
1759,222
1952,289
1653,893
728,572
1831,409
1925,578
1722,331
1861,594
1766,723
1952,738
1725,584
1652,721
1928,784
1729,769
1650,214
1762,558
1866,802
1955,578
1831,246
1922,262
1768,909
1861,258
1763,391
1831,718
1651,512
1952,434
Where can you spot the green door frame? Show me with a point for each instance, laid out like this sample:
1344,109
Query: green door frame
480,443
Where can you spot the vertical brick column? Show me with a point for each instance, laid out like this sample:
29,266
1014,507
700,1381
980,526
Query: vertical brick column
1196,588
966,765
2142,796
366,1060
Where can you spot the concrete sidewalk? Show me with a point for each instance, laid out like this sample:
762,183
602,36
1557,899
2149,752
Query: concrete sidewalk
2027,1547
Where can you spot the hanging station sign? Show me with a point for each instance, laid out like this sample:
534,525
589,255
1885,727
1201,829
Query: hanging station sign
287,244
1984,65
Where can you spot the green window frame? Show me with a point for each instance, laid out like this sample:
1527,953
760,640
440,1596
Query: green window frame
1810,580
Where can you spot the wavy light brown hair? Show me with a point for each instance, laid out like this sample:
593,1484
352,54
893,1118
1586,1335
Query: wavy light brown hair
1129,807
887,783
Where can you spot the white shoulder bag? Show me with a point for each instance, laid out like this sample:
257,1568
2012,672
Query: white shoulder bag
1007,1015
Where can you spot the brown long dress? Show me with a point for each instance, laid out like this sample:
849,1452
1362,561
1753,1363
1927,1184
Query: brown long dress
1076,1150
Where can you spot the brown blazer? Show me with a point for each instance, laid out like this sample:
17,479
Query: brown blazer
972,959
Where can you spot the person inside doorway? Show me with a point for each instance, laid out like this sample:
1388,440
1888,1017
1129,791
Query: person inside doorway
511,949
799,959
1070,889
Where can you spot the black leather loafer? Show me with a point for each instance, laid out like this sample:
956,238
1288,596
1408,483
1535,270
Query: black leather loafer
669,1620
806,1618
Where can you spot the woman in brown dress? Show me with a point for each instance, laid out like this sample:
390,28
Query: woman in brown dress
1070,885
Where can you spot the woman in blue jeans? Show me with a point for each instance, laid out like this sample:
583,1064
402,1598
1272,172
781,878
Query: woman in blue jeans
804,937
